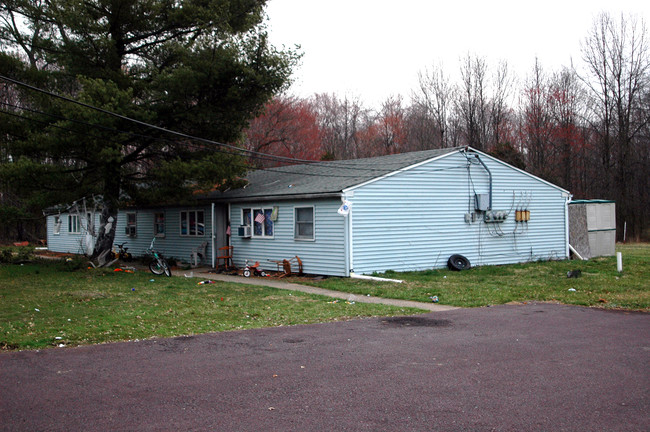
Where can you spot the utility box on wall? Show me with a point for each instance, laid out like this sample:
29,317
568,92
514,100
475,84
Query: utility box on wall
592,227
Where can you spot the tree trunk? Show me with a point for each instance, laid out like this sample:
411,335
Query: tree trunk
106,232
108,218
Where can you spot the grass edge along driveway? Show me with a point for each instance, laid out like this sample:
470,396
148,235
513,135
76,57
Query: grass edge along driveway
599,284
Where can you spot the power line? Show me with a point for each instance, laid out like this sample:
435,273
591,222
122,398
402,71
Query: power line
356,165
149,137
159,128
155,138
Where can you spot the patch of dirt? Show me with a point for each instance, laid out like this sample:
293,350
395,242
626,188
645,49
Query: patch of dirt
415,322
292,341
50,254
4,346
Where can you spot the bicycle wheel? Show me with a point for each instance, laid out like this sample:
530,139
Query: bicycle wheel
156,267
166,269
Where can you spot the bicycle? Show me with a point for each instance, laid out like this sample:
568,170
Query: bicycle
159,265
122,253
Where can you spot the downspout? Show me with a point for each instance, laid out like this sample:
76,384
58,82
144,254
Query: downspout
490,177
229,223
566,228
347,240
351,241
213,237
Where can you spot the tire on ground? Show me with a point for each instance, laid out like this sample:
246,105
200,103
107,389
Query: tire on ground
458,262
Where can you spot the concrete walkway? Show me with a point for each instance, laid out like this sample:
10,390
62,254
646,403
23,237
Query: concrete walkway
281,284
203,273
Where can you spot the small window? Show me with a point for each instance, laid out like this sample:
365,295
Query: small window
73,224
261,219
304,223
131,224
192,223
159,224
90,225
57,225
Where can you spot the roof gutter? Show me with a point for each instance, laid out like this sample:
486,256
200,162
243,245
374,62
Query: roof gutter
259,198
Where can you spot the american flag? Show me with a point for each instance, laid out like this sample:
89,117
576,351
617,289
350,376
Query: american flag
259,218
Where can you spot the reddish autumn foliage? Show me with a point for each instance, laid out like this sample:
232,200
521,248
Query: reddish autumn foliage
287,128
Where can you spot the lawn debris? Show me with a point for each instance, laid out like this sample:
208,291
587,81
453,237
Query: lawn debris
125,269
434,299
572,289
573,274
207,281
346,302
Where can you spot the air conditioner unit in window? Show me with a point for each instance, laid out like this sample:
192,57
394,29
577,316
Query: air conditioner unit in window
130,231
244,231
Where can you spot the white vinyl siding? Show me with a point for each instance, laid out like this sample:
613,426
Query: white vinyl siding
324,255
173,245
415,220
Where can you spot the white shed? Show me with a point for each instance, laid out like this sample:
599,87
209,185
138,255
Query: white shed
592,227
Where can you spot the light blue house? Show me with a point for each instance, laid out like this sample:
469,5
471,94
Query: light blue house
401,212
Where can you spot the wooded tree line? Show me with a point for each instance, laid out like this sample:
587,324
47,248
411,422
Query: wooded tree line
585,128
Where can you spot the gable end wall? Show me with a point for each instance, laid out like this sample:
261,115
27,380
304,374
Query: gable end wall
415,220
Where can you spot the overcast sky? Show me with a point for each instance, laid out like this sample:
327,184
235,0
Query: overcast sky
372,49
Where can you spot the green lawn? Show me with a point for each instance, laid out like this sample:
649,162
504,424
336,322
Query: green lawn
43,305
599,285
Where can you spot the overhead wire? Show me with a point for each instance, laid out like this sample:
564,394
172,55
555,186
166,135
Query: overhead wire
159,128
273,169
251,153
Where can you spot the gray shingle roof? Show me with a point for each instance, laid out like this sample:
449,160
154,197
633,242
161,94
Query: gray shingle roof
322,178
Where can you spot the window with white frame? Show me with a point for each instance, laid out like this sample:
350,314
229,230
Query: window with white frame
192,223
261,219
73,224
159,224
57,225
304,223
131,224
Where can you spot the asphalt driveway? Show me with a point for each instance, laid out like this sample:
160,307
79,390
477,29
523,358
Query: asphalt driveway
528,367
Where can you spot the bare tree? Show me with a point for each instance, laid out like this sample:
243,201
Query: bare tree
617,67
391,126
565,102
503,83
340,122
435,100
473,104
535,120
